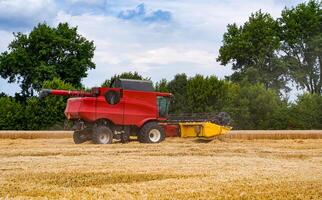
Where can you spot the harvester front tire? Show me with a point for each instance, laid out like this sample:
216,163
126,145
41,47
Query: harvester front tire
102,135
151,132
79,138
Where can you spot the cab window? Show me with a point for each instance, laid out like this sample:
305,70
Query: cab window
163,106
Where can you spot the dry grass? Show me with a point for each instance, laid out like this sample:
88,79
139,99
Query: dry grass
35,134
234,134
175,169
275,134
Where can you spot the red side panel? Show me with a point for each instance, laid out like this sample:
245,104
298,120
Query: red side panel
81,108
105,110
134,108
72,108
139,107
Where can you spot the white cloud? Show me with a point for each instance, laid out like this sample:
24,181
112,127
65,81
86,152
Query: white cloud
123,46
25,13
165,56
89,2
192,39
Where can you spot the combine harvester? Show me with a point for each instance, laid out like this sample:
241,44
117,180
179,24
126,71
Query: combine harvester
131,108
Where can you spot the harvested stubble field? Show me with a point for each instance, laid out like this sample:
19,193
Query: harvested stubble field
175,169
234,134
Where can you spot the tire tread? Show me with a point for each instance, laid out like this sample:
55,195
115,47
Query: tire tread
143,136
100,130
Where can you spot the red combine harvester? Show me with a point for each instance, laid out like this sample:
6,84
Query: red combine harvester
126,108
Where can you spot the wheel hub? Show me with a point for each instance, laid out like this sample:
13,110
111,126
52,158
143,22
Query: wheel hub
104,138
155,135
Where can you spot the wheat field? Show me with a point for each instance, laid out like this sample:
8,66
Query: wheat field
234,134
274,134
175,169
35,134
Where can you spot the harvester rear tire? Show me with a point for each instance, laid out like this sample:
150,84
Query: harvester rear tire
79,138
102,135
151,132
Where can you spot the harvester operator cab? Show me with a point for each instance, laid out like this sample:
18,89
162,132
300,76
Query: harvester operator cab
114,96
163,102
163,106
130,84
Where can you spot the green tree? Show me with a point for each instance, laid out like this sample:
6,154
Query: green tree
205,94
197,94
280,117
2,94
252,49
302,44
178,87
49,112
252,106
44,54
126,75
306,113
162,86
11,114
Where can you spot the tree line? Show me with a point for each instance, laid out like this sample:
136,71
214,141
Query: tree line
270,57
277,52
251,106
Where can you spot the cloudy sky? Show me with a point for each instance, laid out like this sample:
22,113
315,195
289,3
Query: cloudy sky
157,38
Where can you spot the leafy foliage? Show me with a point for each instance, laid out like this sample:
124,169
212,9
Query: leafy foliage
162,86
44,54
307,112
302,44
272,52
252,106
34,114
11,114
205,94
50,111
251,49
178,87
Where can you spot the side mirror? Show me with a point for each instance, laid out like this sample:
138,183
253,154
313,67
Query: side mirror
112,97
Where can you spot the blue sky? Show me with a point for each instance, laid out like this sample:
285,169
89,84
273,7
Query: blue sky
157,38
